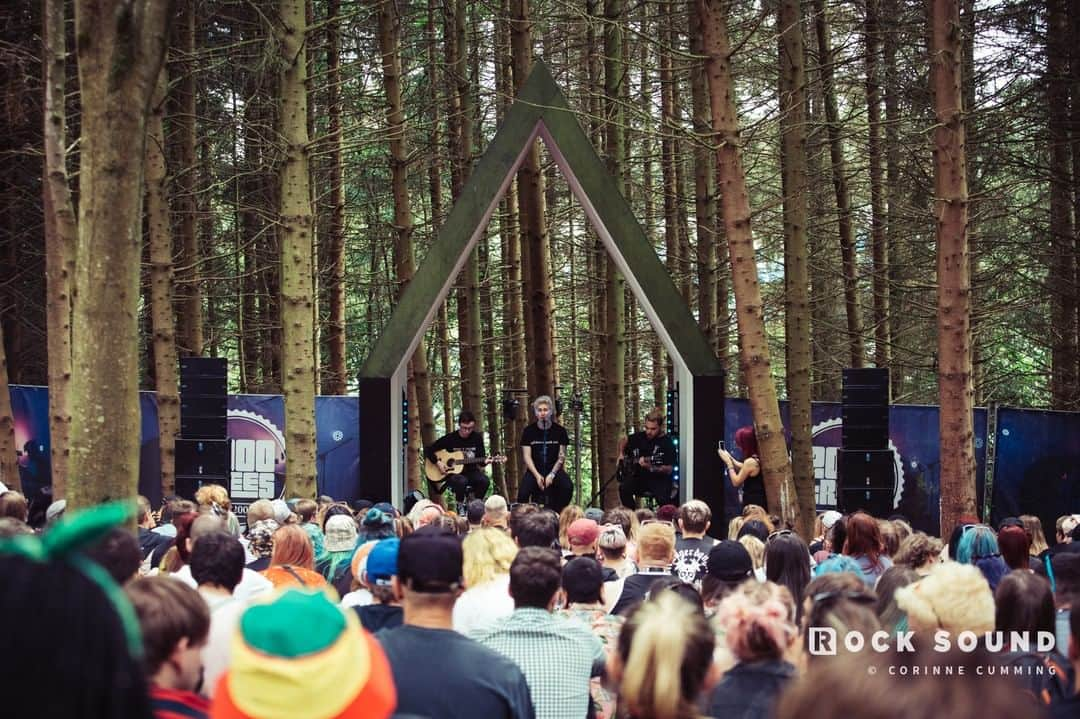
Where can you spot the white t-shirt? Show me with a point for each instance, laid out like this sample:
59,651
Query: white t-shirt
479,607
217,654
252,584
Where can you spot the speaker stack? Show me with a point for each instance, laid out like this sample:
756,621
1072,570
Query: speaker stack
202,450
867,468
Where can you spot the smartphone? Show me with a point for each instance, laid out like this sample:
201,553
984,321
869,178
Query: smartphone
720,444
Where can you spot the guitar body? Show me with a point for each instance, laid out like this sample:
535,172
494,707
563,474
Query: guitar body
455,464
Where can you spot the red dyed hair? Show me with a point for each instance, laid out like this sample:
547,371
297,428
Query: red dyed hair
746,441
293,547
863,537
1013,543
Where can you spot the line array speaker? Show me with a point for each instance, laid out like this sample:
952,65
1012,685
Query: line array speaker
864,408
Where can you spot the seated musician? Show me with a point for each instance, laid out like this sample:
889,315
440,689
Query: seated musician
472,479
650,454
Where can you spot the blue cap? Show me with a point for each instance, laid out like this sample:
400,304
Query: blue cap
382,561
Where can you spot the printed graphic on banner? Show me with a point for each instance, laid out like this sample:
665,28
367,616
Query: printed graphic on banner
257,450
826,437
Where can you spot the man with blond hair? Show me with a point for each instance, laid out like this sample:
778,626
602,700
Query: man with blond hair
496,513
656,552
693,547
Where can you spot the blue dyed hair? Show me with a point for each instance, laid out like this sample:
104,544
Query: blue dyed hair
839,563
977,543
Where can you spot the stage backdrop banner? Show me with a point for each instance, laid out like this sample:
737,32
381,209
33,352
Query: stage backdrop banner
255,428
1036,465
913,440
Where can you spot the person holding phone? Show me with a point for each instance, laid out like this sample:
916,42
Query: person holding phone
652,456
746,475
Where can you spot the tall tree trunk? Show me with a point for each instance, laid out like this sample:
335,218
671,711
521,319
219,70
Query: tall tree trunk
754,357
1063,383
878,240
61,235
704,184
161,289
297,249
614,361
792,86
536,248
104,387
190,319
9,463
954,283
890,45
856,353
335,378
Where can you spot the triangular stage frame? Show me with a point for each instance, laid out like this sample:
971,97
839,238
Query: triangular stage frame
541,111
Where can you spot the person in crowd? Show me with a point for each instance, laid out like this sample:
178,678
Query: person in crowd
664,659
756,549
692,545
55,512
215,499
1034,528
582,535
474,513
746,475
543,451
488,554
118,552
978,546
1015,545
293,560
890,539
954,597
728,566
840,601
919,552
570,514
306,510
787,563
644,514
471,482
650,454
175,622
629,523
892,619
1065,581
734,526
251,585
385,611
13,504
1065,527
903,530
71,631
669,513
360,594
835,536
283,513
11,527
1025,604
172,558
1069,707
259,510
758,624
558,657
496,513
656,551
757,525
595,514
536,529
145,523
583,585
612,545
302,655
472,680
336,566
173,508
839,563
375,525
217,565
864,545
261,543
822,524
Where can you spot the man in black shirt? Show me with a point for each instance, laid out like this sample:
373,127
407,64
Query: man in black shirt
471,444
543,448
651,455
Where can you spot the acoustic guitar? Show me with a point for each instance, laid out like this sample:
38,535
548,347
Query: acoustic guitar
455,462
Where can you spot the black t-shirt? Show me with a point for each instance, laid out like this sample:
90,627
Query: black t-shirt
660,451
691,556
376,617
472,446
544,445
634,589
442,674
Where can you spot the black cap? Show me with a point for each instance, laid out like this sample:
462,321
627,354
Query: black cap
430,561
729,561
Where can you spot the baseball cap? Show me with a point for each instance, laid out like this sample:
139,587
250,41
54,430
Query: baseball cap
582,532
430,561
595,514
729,562
382,561
829,518
340,533
386,508
612,537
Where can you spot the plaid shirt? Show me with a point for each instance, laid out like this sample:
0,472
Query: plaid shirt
556,655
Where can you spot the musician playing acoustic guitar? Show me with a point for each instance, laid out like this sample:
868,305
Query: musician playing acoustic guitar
471,444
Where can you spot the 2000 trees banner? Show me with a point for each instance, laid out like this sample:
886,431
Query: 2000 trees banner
913,440
257,457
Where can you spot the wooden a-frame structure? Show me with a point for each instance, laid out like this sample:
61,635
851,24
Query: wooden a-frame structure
541,110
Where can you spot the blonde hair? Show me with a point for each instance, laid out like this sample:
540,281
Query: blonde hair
210,494
758,619
734,526
488,553
755,547
754,511
656,540
666,648
954,597
568,516
1038,539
